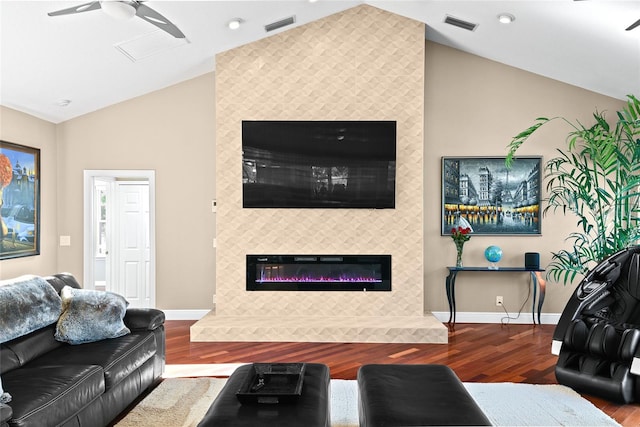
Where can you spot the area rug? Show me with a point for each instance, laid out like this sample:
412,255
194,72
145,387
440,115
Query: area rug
176,402
182,402
200,370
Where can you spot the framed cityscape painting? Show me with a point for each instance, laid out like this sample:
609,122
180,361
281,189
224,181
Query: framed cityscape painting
19,200
483,194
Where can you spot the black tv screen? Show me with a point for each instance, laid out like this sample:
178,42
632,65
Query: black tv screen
318,164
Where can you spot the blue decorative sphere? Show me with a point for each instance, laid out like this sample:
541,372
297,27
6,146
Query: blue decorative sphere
493,254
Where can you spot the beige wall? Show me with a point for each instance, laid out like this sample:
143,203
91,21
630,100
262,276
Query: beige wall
331,69
21,128
473,107
172,132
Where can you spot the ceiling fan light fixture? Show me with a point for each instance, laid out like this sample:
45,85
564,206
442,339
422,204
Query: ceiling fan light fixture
506,18
118,9
125,9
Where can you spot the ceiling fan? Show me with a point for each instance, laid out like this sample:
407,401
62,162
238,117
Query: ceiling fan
634,25
123,10
630,27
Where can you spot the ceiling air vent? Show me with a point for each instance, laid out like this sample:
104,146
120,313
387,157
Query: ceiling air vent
456,22
279,24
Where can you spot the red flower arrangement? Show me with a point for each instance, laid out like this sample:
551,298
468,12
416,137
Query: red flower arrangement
460,234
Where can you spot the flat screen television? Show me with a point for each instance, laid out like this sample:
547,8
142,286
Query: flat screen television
318,164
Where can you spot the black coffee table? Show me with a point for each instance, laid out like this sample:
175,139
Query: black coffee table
311,409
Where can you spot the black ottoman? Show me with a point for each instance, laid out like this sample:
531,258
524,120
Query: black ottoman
415,395
311,409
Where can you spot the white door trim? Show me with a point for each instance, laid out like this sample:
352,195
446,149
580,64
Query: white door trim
89,236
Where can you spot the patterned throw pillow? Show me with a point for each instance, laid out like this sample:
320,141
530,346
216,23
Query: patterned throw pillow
89,316
27,304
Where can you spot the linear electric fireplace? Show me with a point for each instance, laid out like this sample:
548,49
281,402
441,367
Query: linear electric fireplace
318,272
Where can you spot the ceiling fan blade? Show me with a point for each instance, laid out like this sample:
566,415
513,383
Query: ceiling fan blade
634,25
153,17
77,9
630,27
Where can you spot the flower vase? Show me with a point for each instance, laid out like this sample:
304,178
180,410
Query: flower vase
459,245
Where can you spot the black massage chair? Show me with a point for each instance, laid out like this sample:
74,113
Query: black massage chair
597,337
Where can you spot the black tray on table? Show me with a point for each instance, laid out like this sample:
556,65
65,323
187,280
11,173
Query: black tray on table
272,383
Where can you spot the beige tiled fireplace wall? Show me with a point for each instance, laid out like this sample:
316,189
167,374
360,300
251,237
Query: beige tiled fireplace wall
362,64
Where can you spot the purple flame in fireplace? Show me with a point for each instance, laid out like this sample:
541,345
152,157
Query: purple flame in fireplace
265,278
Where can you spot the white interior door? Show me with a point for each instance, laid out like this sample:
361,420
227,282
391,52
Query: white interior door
126,251
132,251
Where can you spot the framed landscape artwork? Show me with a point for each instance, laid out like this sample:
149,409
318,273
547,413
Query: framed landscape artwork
485,195
19,200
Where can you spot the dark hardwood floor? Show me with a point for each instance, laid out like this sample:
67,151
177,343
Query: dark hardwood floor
476,352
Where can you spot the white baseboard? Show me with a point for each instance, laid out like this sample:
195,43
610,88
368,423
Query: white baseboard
486,317
443,316
185,314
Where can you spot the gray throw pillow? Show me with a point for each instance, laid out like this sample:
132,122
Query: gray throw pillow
27,304
89,316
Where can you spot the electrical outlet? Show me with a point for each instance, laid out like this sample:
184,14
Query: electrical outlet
499,300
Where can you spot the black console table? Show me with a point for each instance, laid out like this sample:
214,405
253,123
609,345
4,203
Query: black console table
536,277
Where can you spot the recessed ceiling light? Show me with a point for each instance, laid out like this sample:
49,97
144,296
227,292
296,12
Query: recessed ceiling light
506,18
63,102
234,24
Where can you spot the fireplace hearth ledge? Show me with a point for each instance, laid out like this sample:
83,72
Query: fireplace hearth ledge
425,329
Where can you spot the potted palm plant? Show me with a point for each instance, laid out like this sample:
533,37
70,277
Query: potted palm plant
597,179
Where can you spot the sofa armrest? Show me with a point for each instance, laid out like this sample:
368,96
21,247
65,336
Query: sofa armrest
143,318
5,414
60,280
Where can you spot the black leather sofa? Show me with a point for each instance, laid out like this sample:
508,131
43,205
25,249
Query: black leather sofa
87,385
597,338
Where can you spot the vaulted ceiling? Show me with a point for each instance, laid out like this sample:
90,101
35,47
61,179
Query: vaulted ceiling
91,60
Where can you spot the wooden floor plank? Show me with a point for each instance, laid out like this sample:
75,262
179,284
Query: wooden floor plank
476,352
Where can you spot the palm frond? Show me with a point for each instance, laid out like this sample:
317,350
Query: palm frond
596,179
